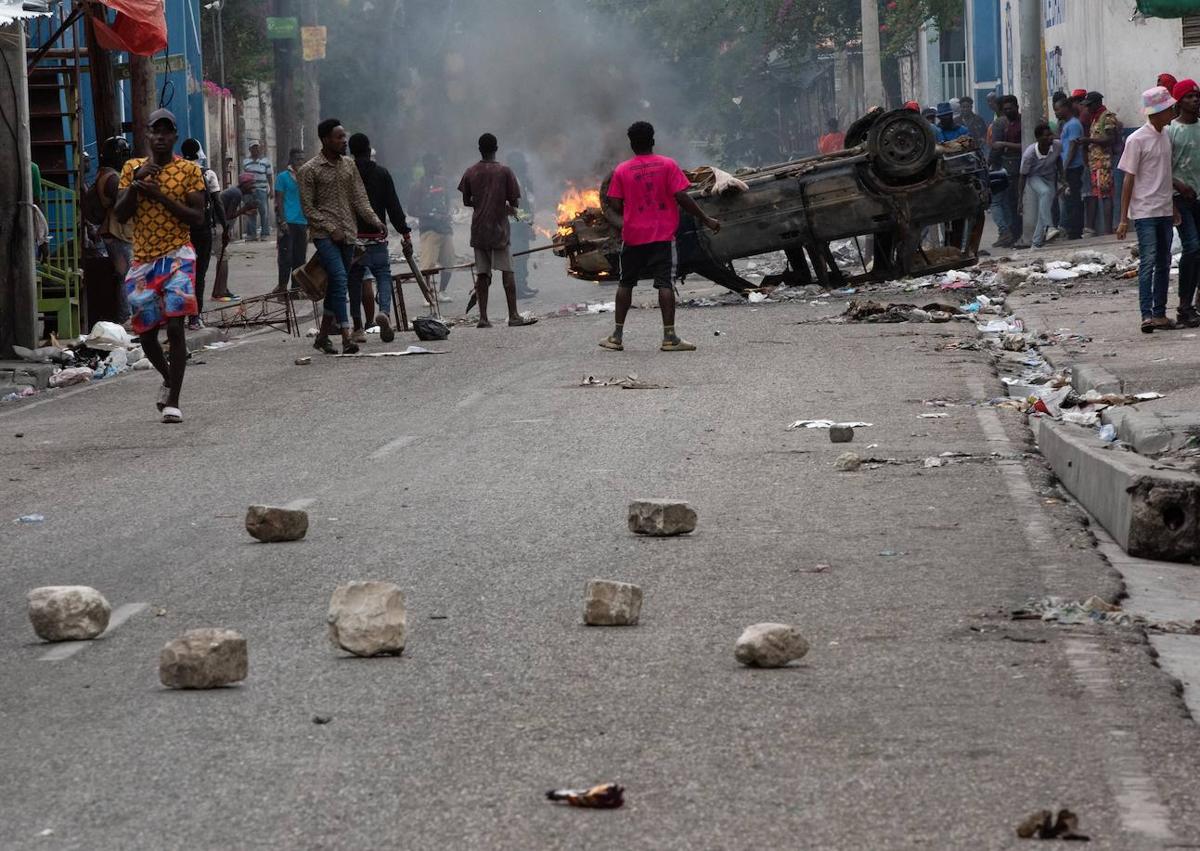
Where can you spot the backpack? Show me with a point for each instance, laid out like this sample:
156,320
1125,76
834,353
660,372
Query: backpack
92,204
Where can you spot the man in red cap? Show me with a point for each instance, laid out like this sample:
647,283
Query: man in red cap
1185,176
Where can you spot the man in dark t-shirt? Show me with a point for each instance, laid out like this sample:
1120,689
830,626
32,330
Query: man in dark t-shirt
490,189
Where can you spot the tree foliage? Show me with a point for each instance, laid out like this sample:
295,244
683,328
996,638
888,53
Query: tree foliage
247,52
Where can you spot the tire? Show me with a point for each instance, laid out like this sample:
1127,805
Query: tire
901,144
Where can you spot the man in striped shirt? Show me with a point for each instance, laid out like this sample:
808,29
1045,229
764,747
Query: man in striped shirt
264,178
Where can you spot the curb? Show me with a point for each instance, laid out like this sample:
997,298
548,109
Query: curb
1089,376
1153,432
1150,511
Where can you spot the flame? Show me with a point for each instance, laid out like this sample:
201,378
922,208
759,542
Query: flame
545,233
573,202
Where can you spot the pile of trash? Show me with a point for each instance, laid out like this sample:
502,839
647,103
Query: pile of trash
1095,611
106,351
866,310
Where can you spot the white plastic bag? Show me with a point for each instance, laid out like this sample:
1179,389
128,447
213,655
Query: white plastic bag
107,336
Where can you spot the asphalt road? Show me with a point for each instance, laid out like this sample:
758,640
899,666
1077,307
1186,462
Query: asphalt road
491,486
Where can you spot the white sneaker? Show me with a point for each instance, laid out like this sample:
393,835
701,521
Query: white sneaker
1053,234
172,415
445,298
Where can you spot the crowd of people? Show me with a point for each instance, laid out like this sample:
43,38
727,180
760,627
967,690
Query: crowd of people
1086,175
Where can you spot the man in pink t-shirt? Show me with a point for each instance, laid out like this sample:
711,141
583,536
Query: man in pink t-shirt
647,191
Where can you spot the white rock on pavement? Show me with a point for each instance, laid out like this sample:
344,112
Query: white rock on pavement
272,524
847,462
203,658
68,612
661,517
770,645
368,618
608,603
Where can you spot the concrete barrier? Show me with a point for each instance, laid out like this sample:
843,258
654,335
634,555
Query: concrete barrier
1151,512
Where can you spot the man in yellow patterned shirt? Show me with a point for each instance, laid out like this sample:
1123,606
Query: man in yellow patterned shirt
163,195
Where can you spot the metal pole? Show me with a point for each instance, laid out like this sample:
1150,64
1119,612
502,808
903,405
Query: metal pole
872,72
225,176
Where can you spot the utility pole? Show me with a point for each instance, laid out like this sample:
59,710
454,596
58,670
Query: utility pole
1033,102
104,84
284,102
872,70
18,284
144,94
310,107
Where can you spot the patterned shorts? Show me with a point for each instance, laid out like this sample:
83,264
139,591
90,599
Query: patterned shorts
162,288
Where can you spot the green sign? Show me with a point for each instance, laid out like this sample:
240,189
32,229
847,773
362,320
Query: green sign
281,28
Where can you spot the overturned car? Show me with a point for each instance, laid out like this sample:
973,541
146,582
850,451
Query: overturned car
891,186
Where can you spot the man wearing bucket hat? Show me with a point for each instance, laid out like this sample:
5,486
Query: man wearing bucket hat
1146,200
947,129
1184,133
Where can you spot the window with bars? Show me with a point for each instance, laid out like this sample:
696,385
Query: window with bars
1191,30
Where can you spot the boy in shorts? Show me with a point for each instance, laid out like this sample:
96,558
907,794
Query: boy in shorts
647,191
163,195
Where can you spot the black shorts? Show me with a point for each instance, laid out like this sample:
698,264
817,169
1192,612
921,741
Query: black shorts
652,260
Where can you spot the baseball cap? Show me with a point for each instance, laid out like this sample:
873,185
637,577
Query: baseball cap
1078,94
162,115
913,105
1156,100
245,177
1167,81
1094,98
1184,88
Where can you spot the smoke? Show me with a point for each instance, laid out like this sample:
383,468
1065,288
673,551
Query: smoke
557,80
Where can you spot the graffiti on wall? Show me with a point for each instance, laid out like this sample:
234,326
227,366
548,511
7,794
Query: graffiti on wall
1056,75
1008,47
1054,12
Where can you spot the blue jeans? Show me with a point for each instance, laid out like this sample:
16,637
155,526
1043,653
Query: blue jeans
262,214
1189,262
1044,192
1154,264
335,260
376,259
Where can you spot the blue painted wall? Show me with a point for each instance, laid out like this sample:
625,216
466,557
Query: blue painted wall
180,91
985,51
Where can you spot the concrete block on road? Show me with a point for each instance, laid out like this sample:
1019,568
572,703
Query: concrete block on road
1152,432
272,524
368,618
203,658
841,434
770,645
1089,376
607,603
661,517
68,612
1150,511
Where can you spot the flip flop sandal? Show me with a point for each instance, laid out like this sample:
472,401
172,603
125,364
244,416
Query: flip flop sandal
521,321
678,346
172,415
164,396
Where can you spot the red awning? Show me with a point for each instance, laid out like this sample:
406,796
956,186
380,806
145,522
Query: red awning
140,27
